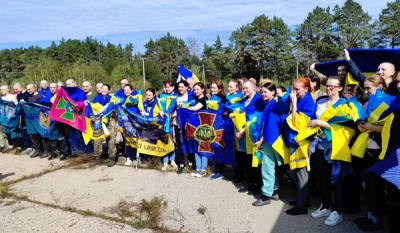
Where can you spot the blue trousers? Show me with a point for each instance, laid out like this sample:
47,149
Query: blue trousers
269,162
201,162
130,152
76,142
169,157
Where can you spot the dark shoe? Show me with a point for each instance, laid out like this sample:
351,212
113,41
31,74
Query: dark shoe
112,162
180,170
17,151
275,196
35,154
50,157
255,190
44,155
243,190
264,200
238,181
296,211
362,220
63,157
371,226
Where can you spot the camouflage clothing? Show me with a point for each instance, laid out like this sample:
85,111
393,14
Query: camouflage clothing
112,149
3,138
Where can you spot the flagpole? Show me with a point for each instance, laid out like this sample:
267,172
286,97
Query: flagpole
204,76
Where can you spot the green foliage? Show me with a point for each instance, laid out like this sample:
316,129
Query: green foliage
263,48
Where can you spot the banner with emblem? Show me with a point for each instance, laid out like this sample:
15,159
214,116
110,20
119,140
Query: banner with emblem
207,133
9,119
144,133
38,121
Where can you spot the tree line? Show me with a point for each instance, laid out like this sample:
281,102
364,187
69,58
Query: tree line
263,48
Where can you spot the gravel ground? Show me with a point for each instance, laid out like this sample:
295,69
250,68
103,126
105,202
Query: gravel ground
101,188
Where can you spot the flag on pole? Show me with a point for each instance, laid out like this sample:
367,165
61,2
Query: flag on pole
184,74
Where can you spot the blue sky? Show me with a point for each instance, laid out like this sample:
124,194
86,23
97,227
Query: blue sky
34,22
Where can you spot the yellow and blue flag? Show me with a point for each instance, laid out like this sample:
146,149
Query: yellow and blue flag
184,74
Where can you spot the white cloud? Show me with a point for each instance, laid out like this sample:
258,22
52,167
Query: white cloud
34,20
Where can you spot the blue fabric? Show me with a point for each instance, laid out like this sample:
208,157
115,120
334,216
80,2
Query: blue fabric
9,118
46,93
149,107
219,145
102,100
340,169
169,157
201,162
388,168
75,93
254,109
36,117
121,95
76,142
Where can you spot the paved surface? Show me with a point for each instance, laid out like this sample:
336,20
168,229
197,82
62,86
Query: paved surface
100,188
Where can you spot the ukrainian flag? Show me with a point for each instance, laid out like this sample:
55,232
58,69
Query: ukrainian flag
184,74
377,105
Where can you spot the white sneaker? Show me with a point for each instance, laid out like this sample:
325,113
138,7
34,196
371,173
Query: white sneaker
200,174
319,213
27,151
128,162
32,152
164,167
173,164
334,219
194,173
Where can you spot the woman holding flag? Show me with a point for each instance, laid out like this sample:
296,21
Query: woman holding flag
183,97
217,103
254,106
303,109
376,142
130,152
332,153
200,103
270,159
167,102
235,109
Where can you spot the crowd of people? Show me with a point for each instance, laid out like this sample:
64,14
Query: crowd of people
313,164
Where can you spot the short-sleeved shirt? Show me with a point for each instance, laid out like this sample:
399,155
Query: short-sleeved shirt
203,101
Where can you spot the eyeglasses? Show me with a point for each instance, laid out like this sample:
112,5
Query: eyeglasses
331,86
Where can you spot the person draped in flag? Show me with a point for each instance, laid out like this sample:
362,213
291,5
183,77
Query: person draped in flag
98,88
386,70
200,103
74,137
21,94
270,158
120,92
183,97
44,89
104,99
374,185
130,152
303,108
219,99
254,106
168,92
234,104
331,171
16,139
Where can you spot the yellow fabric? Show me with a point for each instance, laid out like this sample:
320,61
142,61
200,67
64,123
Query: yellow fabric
299,158
350,80
213,105
386,135
341,137
250,147
96,108
360,145
280,147
114,100
160,149
238,119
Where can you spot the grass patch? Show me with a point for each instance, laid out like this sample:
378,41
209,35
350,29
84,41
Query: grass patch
4,188
86,213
